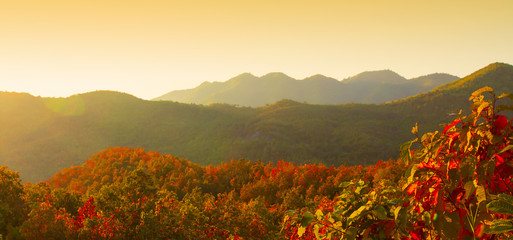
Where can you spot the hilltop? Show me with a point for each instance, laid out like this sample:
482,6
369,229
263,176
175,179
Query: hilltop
367,87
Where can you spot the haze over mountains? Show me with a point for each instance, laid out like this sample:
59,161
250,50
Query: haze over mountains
367,87
41,136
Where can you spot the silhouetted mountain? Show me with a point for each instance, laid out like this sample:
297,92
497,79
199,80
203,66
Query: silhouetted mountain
376,77
366,87
41,136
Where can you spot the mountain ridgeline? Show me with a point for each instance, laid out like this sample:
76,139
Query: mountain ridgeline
367,87
41,136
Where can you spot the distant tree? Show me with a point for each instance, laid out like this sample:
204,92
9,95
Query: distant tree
13,208
47,222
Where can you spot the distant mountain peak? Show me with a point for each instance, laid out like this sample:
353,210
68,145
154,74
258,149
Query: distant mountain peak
496,72
276,75
378,72
319,77
498,64
239,79
246,75
248,90
378,76
243,76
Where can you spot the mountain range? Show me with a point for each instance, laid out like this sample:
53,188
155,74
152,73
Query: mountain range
40,136
367,87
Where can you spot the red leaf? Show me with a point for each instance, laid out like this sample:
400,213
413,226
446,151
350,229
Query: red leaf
453,164
412,188
479,230
435,196
500,160
499,123
456,121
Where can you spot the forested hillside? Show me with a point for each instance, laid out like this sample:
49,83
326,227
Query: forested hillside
40,136
126,193
453,183
367,87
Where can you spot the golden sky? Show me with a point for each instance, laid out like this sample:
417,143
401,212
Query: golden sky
150,47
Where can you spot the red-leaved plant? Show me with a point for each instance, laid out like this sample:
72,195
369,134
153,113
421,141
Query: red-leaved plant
458,186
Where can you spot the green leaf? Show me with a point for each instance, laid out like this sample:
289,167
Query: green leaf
308,217
467,171
480,91
469,189
337,213
411,172
350,233
360,189
499,226
481,194
290,212
400,216
427,217
380,212
405,150
453,174
360,183
500,206
482,106
469,137
396,212
395,201
506,197
506,149
484,171
448,225
356,213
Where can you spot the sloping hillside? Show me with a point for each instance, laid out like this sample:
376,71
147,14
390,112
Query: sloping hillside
41,136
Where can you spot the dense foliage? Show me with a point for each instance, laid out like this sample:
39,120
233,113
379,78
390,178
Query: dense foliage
126,193
41,136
